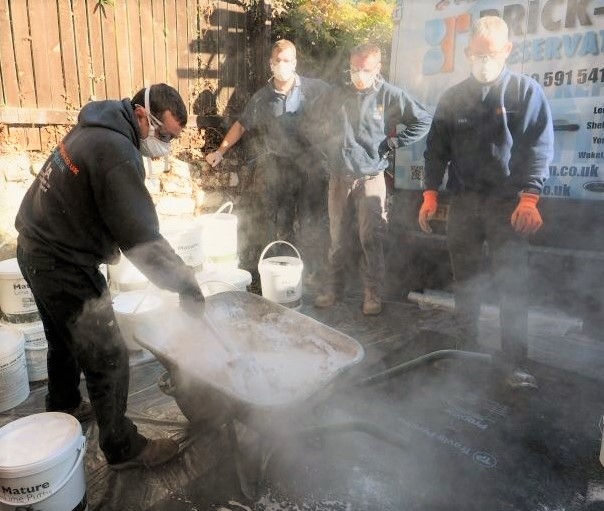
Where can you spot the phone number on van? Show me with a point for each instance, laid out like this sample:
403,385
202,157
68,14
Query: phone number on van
581,76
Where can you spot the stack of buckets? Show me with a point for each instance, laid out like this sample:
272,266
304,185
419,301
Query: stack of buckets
219,268
207,243
23,345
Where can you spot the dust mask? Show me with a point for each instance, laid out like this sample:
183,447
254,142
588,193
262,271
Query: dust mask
487,70
362,79
283,71
151,146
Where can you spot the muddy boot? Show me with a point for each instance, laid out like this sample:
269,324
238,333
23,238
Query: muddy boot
519,378
372,305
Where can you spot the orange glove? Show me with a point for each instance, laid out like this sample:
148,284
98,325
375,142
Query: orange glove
428,209
526,218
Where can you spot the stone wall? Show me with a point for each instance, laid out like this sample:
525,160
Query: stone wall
175,185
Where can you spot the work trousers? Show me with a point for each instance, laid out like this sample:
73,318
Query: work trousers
82,334
292,191
473,220
362,200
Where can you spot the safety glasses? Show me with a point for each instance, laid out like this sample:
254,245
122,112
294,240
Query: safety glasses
160,130
485,56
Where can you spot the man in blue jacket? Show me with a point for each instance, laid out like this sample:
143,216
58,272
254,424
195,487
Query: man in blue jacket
493,133
88,201
362,131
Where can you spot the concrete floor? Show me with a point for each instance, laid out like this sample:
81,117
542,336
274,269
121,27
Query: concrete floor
445,436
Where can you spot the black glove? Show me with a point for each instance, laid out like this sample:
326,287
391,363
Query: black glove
384,148
192,302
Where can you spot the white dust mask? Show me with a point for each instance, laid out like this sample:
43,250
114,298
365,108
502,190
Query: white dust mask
487,70
151,146
283,71
362,79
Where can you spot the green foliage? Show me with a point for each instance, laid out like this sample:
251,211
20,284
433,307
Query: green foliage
326,29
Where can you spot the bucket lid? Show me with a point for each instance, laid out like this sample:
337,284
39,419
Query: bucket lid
130,302
38,442
9,269
26,328
11,340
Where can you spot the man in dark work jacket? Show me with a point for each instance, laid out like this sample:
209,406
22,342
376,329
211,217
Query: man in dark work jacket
493,133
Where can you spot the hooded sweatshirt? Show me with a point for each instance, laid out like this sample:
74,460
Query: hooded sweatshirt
90,200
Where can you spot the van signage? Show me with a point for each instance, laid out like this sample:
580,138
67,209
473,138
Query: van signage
559,43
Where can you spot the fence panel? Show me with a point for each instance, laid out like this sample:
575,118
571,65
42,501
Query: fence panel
83,53
122,39
69,56
57,55
8,68
95,40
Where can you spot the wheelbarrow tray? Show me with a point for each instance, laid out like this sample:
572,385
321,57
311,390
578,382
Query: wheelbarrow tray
278,359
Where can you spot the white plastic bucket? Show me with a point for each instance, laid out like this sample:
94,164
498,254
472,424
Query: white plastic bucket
602,445
131,308
16,299
218,281
281,277
124,276
35,358
36,349
219,239
185,238
14,385
41,463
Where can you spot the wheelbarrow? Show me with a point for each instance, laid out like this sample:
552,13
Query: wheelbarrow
261,371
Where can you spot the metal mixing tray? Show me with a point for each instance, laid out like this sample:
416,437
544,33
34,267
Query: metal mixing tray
270,359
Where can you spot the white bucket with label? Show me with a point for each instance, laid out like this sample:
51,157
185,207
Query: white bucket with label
42,464
219,239
14,385
185,238
124,276
131,308
16,299
218,281
36,349
281,276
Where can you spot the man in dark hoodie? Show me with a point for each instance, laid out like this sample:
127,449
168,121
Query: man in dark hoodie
364,113
88,201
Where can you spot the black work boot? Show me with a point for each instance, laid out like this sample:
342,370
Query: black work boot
83,412
156,452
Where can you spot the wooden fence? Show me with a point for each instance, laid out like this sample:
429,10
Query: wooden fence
57,55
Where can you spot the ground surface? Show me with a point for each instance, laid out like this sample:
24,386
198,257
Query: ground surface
444,436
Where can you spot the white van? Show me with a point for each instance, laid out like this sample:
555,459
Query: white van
560,43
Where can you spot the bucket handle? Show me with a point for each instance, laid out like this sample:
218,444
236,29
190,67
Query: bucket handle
275,243
224,206
63,482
